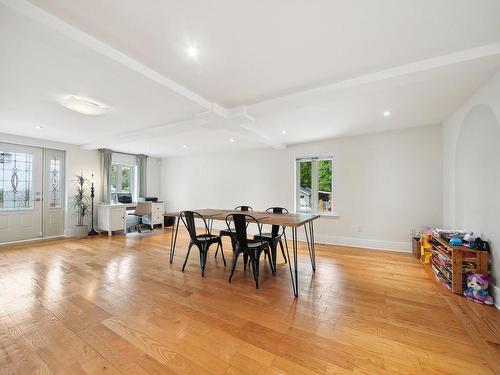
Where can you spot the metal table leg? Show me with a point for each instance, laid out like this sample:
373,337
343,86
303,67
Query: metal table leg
294,274
173,239
310,243
307,231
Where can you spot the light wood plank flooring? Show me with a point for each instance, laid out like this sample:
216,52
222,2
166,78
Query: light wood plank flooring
115,305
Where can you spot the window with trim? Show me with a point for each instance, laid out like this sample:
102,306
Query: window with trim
123,180
314,185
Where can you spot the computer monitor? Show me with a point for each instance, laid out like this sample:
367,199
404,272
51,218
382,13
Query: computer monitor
124,197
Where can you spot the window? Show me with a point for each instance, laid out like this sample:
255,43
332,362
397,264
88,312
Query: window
123,180
314,185
54,182
16,181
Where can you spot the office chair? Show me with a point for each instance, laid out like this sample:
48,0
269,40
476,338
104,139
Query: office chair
142,209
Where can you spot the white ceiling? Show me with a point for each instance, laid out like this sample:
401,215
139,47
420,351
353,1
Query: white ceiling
255,50
317,69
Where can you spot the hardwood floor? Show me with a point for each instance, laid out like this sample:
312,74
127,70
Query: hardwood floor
115,305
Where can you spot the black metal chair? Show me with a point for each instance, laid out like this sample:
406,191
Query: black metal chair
229,232
249,248
275,237
201,241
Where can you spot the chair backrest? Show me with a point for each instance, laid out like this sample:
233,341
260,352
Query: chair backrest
241,222
188,218
143,209
243,208
276,210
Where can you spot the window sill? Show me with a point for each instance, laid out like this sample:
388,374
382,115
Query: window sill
333,214
322,214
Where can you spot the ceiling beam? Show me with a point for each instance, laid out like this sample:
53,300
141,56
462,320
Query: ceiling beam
312,96
215,112
26,8
236,119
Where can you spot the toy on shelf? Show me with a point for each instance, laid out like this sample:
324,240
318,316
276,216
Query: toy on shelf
425,250
477,288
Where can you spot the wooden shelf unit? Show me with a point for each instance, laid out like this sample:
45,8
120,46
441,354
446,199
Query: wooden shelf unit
458,253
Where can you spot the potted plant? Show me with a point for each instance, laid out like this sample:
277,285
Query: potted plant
81,205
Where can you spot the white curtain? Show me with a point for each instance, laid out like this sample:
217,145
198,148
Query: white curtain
142,170
106,160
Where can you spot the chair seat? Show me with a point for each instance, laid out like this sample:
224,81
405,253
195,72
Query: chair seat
206,237
254,244
227,232
267,236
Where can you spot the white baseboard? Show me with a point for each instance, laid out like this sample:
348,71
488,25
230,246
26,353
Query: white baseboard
36,239
363,243
342,241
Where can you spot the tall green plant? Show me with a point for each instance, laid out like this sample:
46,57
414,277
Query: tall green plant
81,201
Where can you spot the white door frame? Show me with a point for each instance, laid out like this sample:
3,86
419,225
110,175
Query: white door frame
21,223
46,214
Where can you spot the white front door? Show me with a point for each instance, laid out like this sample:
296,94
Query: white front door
53,193
20,192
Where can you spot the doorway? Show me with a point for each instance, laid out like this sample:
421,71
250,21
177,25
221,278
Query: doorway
31,192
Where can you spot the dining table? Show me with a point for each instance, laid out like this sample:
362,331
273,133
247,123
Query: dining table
293,221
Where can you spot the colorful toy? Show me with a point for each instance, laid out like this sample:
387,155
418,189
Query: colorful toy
455,241
477,288
425,251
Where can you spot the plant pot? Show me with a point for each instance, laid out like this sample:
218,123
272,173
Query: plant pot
81,231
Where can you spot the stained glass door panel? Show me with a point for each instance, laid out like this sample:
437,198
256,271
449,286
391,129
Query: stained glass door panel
53,212
20,192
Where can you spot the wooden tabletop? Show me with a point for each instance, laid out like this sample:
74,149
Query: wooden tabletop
286,220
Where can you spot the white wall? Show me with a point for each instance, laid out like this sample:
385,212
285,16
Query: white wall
471,146
83,161
388,183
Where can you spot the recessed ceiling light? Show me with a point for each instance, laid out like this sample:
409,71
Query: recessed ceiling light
192,51
283,131
231,139
387,113
38,126
84,105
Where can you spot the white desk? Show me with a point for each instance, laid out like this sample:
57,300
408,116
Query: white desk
113,217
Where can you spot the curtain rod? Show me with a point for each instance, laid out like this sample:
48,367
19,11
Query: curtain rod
123,153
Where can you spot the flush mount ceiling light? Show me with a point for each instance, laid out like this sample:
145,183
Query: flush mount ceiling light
192,51
387,113
84,105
